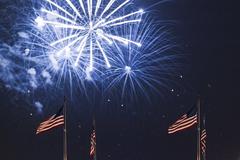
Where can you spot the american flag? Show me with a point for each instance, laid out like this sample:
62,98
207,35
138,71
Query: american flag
52,122
186,121
203,141
93,145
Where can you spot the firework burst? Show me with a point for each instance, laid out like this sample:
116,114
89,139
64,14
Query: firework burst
143,70
108,42
79,33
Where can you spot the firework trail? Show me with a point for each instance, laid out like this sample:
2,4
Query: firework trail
107,43
146,70
75,37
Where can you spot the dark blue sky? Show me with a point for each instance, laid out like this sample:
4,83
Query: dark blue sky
208,32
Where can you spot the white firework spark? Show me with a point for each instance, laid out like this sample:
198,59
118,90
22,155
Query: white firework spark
83,30
143,71
66,42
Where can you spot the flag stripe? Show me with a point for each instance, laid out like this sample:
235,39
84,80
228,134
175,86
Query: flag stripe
203,140
49,119
51,126
180,121
93,144
182,128
46,129
50,123
183,125
183,122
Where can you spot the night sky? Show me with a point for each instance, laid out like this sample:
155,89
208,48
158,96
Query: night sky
208,35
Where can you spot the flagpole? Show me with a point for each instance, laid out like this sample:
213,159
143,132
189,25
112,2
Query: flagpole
65,130
199,129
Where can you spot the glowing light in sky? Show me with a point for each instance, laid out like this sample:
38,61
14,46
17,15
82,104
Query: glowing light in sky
92,43
141,70
84,29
